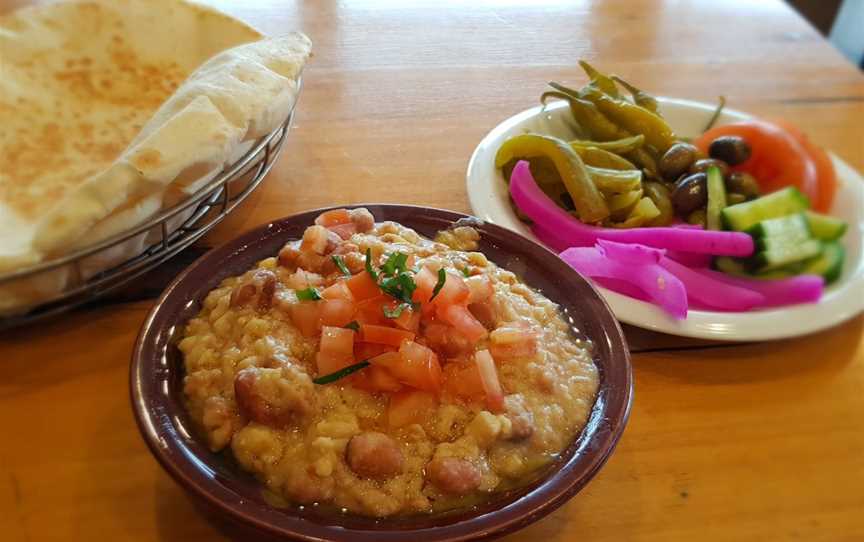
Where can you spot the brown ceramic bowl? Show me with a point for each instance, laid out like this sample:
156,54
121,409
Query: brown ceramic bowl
235,499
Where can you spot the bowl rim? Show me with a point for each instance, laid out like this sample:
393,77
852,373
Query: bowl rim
553,489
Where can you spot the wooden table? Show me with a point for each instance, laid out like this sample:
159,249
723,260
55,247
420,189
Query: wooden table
725,442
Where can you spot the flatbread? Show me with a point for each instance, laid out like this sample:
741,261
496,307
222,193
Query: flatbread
111,110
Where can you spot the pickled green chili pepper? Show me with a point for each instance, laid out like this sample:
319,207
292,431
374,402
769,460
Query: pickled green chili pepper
643,158
592,156
614,181
599,80
662,199
633,118
620,205
617,146
594,122
639,96
587,199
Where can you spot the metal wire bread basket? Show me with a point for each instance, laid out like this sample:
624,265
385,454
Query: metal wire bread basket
161,237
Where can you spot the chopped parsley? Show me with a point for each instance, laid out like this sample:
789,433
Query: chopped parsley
400,287
353,324
341,373
340,264
308,294
466,272
442,278
395,264
369,268
396,311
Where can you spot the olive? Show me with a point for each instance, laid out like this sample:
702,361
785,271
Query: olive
743,183
677,159
734,197
690,193
697,217
701,166
731,149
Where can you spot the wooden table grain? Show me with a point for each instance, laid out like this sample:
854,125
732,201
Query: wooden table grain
725,442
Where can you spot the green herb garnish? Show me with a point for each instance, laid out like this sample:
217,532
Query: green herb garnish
369,268
396,311
442,278
340,264
395,264
466,272
353,324
400,287
341,373
308,294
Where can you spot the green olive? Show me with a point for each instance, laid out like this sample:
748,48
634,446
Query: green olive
731,149
743,183
677,159
690,193
701,166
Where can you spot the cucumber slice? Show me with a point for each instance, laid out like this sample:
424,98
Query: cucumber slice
738,267
829,264
781,203
776,232
824,227
781,254
716,199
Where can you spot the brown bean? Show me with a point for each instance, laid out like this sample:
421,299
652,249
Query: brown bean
274,397
701,166
260,287
453,475
690,193
676,160
362,219
374,455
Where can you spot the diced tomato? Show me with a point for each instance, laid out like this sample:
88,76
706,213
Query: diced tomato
508,342
301,279
384,335
344,231
362,286
306,315
408,319
337,312
333,217
825,174
371,311
447,340
330,362
410,406
461,318
479,288
387,360
776,160
338,290
463,380
489,380
453,292
375,380
368,351
337,340
419,367
425,280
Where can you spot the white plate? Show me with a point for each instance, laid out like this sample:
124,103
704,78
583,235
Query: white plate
487,192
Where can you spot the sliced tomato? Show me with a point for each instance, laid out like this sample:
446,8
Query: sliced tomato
408,319
410,406
337,340
363,286
338,290
370,333
368,351
371,311
479,288
461,318
419,367
463,380
337,312
344,231
777,159
375,380
489,380
453,292
333,217
330,362
512,342
425,280
306,315
825,173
